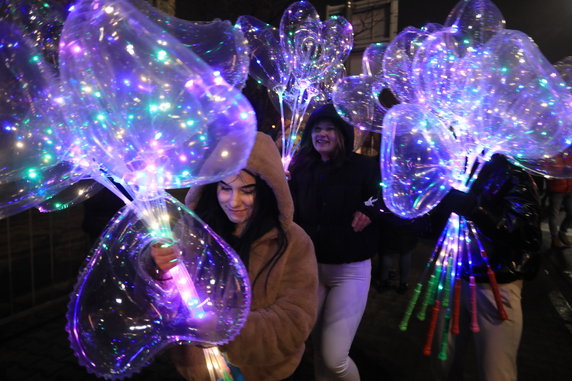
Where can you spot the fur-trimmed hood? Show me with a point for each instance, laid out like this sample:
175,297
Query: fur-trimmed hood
264,161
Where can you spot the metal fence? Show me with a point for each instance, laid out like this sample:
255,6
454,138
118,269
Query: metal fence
40,255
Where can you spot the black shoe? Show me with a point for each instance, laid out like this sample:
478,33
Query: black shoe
402,289
564,239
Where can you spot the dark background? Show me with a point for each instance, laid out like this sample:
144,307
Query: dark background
548,22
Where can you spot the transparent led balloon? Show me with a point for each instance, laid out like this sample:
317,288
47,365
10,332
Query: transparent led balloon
300,65
149,114
153,113
218,43
398,60
514,100
475,20
417,160
33,156
123,312
72,195
356,101
267,65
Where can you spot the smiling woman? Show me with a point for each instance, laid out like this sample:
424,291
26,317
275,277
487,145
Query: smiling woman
334,191
235,196
253,212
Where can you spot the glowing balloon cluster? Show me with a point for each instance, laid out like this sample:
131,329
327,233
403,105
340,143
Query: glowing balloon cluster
468,89
300,61
478,89
132,102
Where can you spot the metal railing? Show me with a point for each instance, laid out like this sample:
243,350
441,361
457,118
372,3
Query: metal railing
40,255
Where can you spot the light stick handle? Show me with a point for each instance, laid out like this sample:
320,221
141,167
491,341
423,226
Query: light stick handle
410,307
216,365
473,295
428,296
447,291
432,326
456,306
445,336
495,287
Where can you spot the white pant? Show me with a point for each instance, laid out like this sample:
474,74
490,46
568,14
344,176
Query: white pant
496,344
342,294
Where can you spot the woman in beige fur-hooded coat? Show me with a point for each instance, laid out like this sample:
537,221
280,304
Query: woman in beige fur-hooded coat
283,273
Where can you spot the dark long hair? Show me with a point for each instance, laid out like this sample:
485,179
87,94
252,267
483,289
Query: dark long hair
265,217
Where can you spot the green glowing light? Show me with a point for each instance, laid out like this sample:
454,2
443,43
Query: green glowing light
162,55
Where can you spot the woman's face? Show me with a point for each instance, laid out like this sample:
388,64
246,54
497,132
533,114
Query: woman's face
236,195
324,138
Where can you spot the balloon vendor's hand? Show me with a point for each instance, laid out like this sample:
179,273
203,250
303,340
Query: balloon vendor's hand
165,258
360,221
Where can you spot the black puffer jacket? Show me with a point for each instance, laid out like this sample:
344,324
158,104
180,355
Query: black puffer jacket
506,214
326,196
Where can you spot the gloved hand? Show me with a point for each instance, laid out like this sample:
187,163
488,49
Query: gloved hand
460,202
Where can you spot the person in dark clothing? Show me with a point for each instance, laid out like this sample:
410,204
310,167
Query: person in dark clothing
334,193
504,206
397,236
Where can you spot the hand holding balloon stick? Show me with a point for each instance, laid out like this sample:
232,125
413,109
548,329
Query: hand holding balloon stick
152,115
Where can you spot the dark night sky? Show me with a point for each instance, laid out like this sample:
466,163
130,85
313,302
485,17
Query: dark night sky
548,22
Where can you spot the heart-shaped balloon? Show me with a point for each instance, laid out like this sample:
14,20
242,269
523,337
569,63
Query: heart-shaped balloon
418,154
154,115
356,99
515,101
122,313
309,47
267,65
398,61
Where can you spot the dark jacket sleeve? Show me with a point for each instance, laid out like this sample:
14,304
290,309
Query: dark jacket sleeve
512,214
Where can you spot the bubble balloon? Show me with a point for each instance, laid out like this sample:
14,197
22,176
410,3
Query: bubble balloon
217,42
155,116
356,101
476,21
515,101
372,60
311,47
32,154
433,69
267,65
417,160
398,60
122,313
